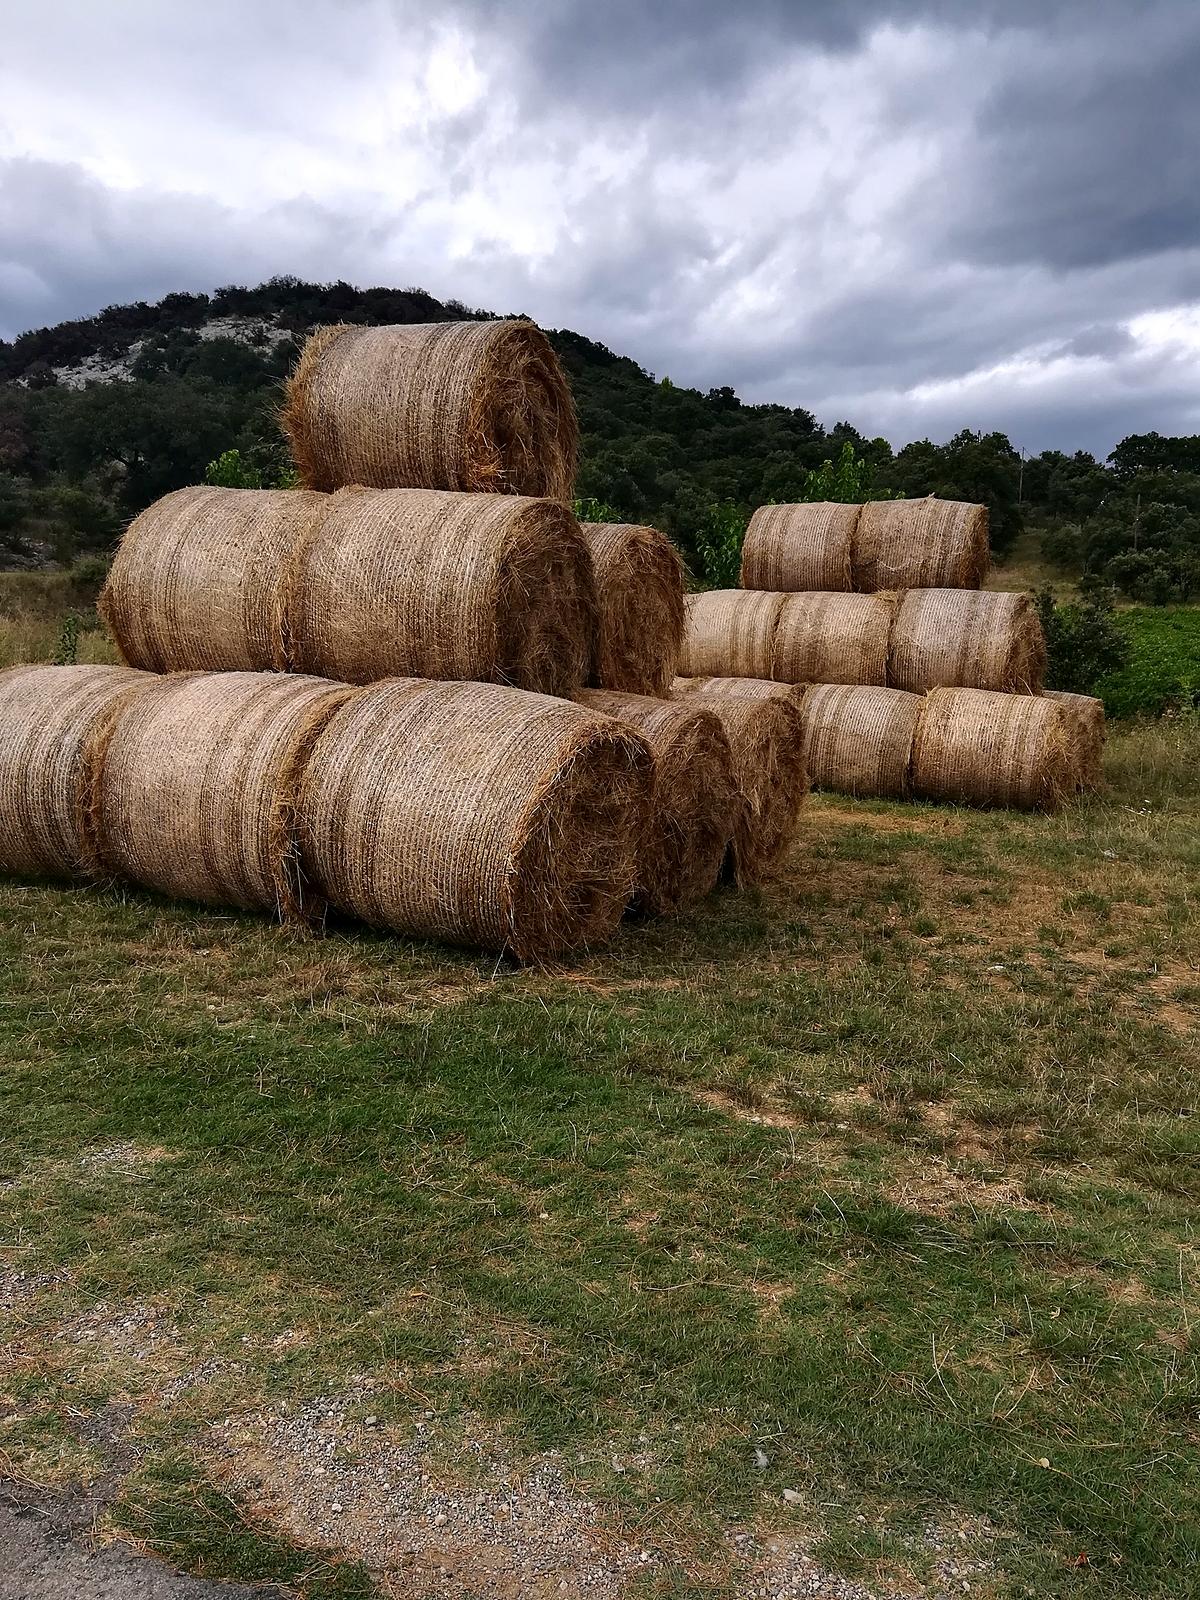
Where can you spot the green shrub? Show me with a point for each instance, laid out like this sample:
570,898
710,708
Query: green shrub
718,536
1084,641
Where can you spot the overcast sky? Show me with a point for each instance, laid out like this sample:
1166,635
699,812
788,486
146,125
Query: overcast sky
917,216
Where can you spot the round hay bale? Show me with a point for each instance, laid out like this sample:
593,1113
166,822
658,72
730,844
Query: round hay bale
639,595
55,723
476,406
730,633
800,547
1084,717
476,814
981,748
921,544
956,639
766,738
858,739
198,582
693,797
198,791
833,638
739,689
426,583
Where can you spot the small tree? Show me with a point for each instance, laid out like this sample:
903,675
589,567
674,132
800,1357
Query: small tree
719,533
850,479
1084,641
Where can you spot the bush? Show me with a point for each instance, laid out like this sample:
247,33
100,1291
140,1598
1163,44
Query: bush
1084,641
1162,667
718,537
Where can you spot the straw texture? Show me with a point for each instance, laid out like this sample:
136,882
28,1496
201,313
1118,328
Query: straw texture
476,814
766,737
832,638
425,583
639,595
858,740
1084,717
197,582
730,633
921,544
54,725
949,638
739,689
800,547
693,797
478,406
198,791
977,747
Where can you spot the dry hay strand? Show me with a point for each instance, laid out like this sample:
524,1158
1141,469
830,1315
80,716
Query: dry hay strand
833,638
739,689
730,633
197,583
476,406
693,797
431,584
802,547
982,748
955,639
921,544
1084,718
766,737
55,723
476,814
197,797
639,593
858,739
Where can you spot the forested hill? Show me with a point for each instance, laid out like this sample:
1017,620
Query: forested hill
100,416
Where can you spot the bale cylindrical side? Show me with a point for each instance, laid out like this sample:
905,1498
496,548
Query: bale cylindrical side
981,748
55,723
921,544
639,595
801,547
766,738
956,639
476,406
1084,717
198,793
858,739
833,638
198,582
426,583
476,814
730,633
739,689
693,797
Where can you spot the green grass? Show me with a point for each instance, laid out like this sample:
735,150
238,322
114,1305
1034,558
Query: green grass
1163,671
891,1168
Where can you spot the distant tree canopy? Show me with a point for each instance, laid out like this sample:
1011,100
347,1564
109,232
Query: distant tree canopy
204,376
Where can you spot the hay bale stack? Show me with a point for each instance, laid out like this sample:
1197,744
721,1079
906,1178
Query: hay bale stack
425,583
1084,717
693,797
800,547
951,638
55,723
199,785
739,689
977,747
921,544
639,595
476,406
766,737
730,633
198,580
476,814
858,739
832,638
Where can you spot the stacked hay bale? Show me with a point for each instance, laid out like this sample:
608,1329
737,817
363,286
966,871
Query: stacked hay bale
432,557
858,739
1085,723
977,747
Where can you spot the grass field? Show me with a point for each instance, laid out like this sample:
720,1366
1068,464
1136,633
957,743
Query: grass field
846,1228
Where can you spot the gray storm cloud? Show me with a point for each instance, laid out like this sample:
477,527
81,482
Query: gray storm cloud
916,217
